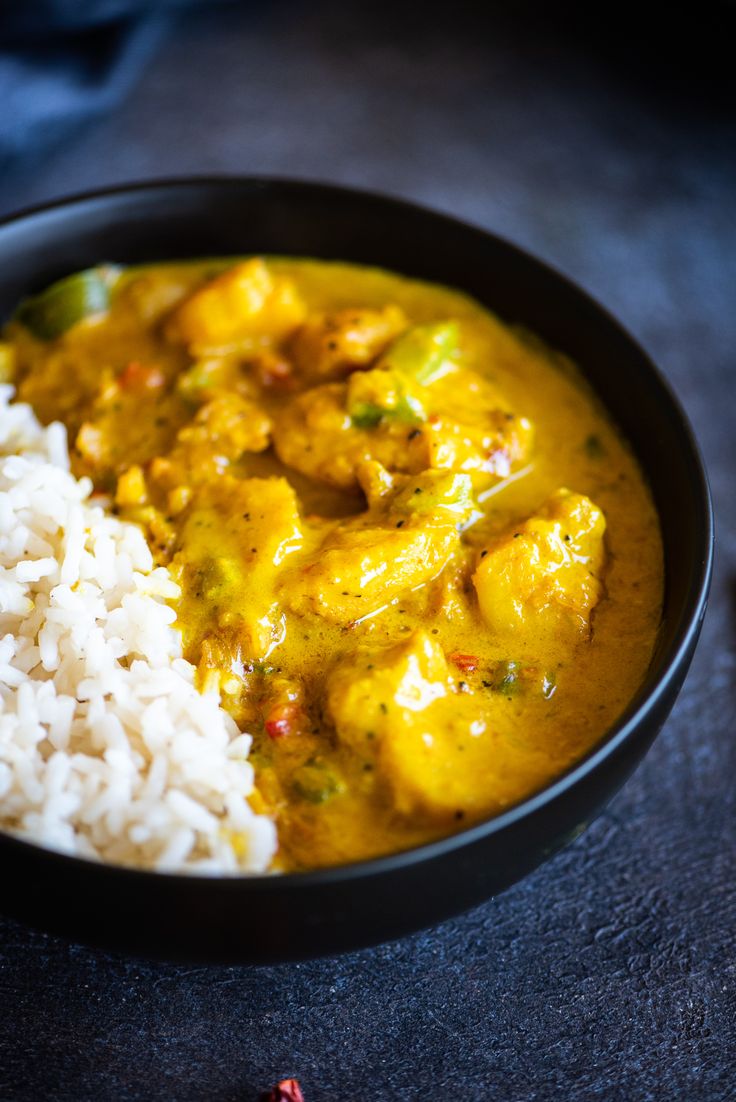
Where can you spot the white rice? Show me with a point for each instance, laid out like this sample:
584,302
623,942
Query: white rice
107,749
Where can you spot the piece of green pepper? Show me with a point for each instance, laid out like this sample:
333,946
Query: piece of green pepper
316,783
373,396
366,415
68,301
505,678
423,351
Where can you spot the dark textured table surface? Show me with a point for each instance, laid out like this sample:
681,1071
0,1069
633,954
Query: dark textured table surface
610,972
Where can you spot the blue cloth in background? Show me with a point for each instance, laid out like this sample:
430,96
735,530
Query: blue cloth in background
63,62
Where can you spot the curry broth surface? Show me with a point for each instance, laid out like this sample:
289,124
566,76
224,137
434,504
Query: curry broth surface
338,790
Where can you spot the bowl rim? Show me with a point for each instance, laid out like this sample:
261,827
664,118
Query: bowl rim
641,704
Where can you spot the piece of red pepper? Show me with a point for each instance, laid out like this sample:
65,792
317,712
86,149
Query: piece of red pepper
282,720
288,1090
466,662
137,376
277,373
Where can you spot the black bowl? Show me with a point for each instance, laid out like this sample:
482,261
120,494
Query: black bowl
271,918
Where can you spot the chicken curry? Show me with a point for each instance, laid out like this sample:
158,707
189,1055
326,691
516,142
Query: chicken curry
415,556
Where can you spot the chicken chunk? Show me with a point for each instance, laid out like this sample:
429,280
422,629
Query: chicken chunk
316,436
246,303
327,433
360,569
362,691
329,346
488,450
403,542
433,745
544,576
228,426
233,547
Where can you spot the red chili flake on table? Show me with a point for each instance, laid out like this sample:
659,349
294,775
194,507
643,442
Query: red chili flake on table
288,1090
282,720
466,662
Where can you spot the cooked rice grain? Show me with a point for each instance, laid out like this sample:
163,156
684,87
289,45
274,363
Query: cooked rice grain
107,749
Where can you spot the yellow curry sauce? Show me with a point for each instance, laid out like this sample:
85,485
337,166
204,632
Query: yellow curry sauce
415,556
